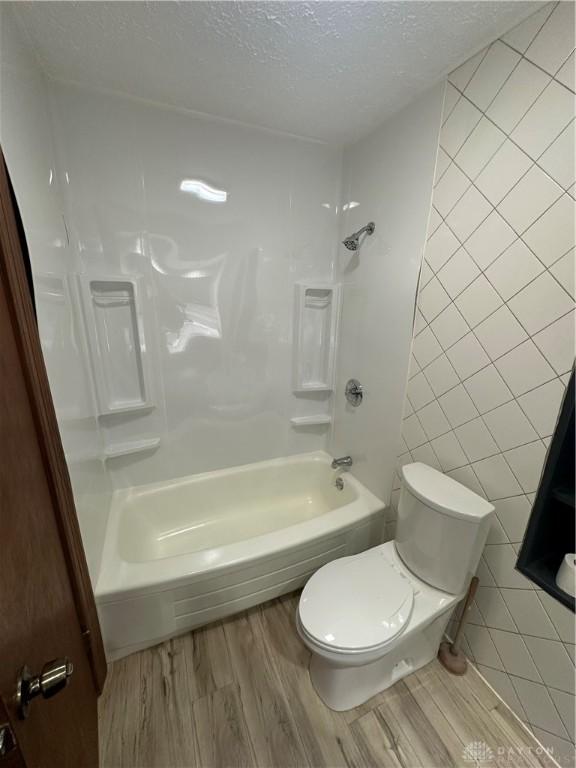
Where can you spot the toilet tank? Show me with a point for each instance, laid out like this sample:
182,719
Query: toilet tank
441,529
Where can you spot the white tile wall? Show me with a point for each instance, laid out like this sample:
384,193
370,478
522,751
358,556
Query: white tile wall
497,339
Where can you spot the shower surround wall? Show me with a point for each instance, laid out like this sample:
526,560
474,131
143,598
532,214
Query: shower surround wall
28,149
218,277
388,179
494,339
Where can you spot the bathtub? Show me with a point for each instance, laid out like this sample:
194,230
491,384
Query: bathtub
186,552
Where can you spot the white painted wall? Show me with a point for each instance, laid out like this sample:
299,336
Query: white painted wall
27,145
387,179
219,277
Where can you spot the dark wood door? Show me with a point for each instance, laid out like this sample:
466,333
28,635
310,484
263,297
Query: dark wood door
46,603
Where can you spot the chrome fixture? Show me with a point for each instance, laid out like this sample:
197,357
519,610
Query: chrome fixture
354,392
352,242
339,483
345,461
54,677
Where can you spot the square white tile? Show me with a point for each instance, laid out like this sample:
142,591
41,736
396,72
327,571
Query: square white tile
480,147
482,646
563,271
476,440
556,342
449,452
478,301
517,95
555,41
514,269
509,426
433,420
513,513
493,609
524,368
552,235
440,247
449,326
443,160
505,169
521,36
461,76
450,189
491,74
468,213
561,617
459,126
434,222
566,74
487,389
514,654
501,559
433,299
528,613
419,322
458,273
419,391
540,303
426,347
538,704
500,332
565,704
545,120
458,406
441,375
467,356
526,463
554,665
542,406
496,478
413,433
426,455
558,159
534,193
491,239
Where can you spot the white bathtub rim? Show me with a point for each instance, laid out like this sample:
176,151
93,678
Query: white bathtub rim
119,578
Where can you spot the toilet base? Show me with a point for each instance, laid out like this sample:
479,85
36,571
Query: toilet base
345,687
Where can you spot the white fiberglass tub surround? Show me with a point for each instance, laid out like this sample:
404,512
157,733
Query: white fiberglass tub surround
183,553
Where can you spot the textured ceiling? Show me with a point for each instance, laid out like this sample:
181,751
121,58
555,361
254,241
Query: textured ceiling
328,70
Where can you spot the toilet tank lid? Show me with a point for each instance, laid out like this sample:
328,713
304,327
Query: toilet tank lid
443,493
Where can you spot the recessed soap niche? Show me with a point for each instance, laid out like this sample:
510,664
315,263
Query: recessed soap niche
317,308
115,328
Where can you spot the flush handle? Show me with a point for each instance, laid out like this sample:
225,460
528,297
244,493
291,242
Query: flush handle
54,678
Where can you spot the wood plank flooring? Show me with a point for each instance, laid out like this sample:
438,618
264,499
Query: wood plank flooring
238,693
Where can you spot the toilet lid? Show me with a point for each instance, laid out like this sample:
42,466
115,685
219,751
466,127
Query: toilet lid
356,603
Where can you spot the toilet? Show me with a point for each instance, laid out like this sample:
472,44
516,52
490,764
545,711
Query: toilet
373,618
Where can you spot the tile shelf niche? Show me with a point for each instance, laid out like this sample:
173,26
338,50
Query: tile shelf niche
115,328
316,313
550,532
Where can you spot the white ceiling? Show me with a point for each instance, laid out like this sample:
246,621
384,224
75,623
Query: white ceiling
328,70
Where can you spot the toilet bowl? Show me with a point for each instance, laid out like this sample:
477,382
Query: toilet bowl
371,619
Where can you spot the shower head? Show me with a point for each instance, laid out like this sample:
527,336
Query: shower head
352,242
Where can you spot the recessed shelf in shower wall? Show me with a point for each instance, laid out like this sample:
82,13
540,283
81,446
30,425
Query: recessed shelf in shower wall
316,314
309,421
115,329
132,446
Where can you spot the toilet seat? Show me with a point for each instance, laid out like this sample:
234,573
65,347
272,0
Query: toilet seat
356,604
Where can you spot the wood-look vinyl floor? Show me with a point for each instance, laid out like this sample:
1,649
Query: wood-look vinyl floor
238,693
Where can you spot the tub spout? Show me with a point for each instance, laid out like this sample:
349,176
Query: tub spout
345,461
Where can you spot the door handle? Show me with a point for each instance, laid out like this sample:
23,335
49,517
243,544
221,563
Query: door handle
54,678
